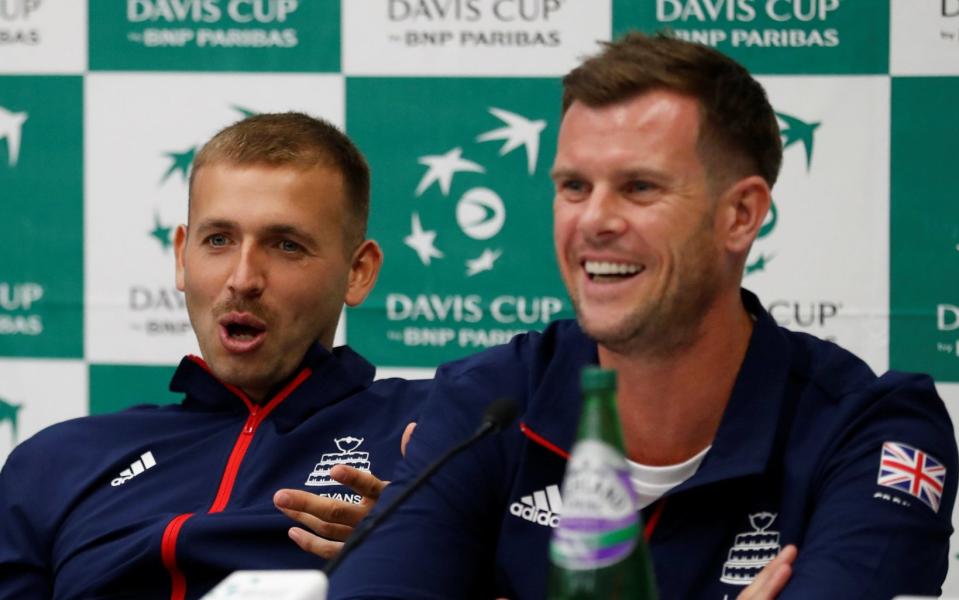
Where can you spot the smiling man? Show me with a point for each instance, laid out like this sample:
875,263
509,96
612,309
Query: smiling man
744,439
163,502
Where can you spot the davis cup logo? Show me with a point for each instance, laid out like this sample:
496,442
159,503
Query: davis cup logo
480,212
792,130
467,231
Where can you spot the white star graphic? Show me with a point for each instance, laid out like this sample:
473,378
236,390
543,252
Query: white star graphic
442,167
422,241
519,131
11,124
483,262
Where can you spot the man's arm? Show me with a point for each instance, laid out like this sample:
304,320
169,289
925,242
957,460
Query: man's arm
24,572
441,542
867,540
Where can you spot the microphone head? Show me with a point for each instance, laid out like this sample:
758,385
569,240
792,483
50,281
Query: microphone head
500,413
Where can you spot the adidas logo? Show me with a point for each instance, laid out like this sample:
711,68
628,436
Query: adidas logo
543,507
146,461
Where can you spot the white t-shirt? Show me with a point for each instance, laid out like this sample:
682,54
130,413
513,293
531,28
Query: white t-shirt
652,482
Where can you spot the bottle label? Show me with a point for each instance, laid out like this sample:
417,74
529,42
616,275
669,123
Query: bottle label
600,520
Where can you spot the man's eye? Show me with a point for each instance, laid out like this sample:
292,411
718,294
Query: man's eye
217,240
635,187
289,246
572,186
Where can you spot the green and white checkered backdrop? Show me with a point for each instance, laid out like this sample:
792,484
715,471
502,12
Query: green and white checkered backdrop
455,103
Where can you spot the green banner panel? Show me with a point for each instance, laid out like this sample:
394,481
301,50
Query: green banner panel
215,35
462,207
773,36
41,178
924,245
115,387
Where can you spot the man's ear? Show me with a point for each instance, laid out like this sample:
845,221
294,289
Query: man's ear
179,247
364,269
743,209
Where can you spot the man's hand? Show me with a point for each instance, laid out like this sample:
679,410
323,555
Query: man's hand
331,521
407,434
772,578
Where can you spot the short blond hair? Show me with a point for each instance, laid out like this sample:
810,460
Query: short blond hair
297,140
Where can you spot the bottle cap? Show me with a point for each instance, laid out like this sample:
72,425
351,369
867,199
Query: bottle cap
595,379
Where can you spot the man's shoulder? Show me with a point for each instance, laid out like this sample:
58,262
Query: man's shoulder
846,402
518,370
841,376
398,398
82,433
78,445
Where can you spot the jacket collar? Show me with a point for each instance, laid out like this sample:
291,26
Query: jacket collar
555,401
329,378
746,436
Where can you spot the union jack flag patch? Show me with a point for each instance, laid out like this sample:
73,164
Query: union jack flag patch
912,471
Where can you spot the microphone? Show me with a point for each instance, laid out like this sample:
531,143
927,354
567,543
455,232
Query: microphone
498,415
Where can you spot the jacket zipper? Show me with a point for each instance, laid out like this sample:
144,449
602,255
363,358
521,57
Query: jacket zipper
258,414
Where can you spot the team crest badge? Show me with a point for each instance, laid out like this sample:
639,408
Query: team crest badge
751,551
347,455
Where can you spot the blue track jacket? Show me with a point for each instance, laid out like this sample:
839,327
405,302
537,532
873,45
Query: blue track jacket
813,449
165,501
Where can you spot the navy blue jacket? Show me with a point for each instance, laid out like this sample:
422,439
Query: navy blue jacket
165,501
796,459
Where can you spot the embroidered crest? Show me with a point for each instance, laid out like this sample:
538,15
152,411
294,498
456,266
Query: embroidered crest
751,551
347,455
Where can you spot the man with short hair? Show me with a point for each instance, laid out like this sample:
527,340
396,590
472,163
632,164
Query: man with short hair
165,501
743,438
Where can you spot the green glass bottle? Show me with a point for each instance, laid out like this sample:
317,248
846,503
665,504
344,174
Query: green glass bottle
598,550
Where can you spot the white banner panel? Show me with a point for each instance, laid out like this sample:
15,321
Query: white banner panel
470,37
43,36
924,37
821,262
142,133
37,393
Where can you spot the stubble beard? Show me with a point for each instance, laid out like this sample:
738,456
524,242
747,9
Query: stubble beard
675,322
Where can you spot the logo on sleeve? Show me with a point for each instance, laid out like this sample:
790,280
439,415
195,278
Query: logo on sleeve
751,551
911,470
347,455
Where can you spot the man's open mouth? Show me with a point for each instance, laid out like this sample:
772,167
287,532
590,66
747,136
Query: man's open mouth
241,332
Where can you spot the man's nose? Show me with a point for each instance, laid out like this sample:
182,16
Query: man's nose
249,275
602,215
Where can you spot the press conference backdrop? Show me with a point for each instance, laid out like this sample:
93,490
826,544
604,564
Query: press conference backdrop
455,103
